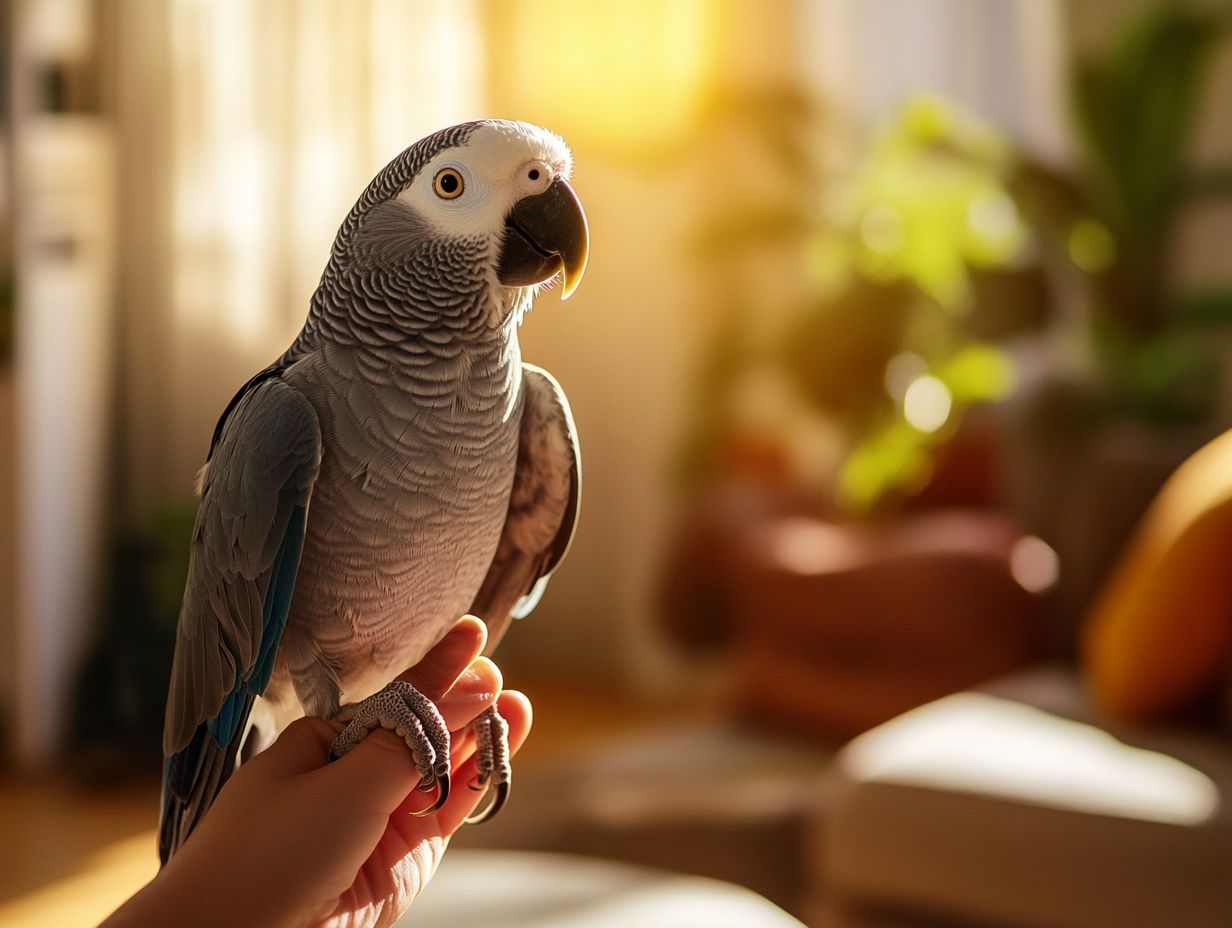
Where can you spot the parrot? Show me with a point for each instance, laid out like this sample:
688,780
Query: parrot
398,467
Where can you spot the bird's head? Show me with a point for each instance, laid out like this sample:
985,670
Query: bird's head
489,197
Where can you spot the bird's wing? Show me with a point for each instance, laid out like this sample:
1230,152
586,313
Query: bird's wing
246,545
543,507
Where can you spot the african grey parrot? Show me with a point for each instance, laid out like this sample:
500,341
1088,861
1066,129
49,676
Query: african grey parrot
398,466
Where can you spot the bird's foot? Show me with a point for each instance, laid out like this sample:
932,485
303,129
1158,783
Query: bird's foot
413,717
492,762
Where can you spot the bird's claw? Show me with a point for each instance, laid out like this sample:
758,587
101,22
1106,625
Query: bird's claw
492,760
441,785
411,715
500,795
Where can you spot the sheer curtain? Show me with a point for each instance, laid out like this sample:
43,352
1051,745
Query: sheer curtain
247,129
1003,60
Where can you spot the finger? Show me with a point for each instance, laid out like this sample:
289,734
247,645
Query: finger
303,746
466,701
516,709
461,747
475,689
436,673
382,766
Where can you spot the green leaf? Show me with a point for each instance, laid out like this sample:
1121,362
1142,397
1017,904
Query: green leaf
895,457
1135,109
1169,377
978,373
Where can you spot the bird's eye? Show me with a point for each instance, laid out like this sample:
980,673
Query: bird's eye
448,184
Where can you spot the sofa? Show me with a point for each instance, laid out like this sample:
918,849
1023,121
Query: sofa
1011,805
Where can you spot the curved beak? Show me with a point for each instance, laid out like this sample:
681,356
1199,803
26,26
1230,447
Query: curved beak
545,234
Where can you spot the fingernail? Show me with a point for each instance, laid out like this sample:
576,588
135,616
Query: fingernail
479,682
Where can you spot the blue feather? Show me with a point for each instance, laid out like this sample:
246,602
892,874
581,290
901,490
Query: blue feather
278,598
225,725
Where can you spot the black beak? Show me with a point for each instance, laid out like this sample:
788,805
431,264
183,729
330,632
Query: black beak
546,234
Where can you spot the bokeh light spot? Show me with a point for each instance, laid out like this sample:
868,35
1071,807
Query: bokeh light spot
1034,564
993,218
1090,245
927,404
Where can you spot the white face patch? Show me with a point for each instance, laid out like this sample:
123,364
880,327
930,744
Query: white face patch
501,163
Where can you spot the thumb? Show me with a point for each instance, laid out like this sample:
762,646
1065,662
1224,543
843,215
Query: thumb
381,768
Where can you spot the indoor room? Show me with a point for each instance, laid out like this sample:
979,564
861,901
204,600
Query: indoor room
888,532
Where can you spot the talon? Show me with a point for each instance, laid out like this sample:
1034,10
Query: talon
491,761
443,794
501,796
441,785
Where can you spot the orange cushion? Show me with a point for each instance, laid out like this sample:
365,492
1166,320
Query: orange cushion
1160,632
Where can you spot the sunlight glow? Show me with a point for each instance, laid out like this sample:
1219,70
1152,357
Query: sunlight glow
976,743
622,75
221,214
92,891
282,112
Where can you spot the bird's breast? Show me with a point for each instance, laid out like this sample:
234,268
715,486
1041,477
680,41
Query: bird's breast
405,516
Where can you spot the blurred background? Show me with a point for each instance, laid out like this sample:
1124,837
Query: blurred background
899,315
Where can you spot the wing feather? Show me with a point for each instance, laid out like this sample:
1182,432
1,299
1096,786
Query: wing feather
246,546
543,507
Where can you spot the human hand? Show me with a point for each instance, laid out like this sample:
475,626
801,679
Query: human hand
295,840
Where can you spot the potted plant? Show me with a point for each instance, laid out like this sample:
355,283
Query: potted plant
858,330
910,272
1137,371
